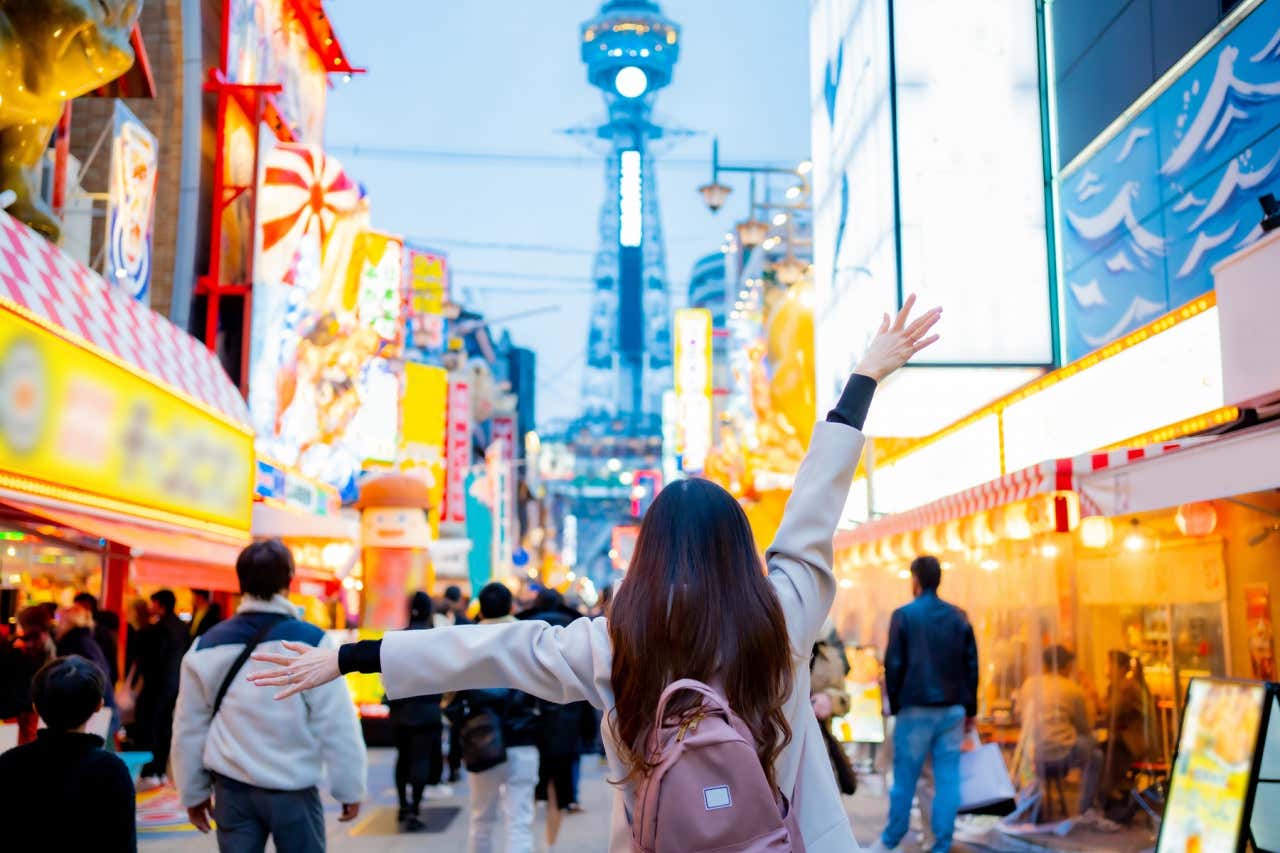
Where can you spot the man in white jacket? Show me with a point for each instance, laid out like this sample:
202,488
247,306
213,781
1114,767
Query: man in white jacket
254,766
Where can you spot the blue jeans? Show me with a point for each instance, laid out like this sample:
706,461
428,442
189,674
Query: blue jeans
921,733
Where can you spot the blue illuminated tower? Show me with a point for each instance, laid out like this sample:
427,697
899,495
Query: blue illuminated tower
630,51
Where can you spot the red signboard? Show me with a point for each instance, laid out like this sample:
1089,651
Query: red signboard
457,454
504,430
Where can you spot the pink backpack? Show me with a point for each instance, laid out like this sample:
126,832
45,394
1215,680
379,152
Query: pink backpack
708,791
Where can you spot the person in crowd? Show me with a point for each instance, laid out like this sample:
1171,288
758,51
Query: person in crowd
931,677
76,637
106,633
205,613
563,729
64,791
255,770
696,603
828,669
453,609
1055,716
139,620
1130,720
20,660
418,727
161,646
509,786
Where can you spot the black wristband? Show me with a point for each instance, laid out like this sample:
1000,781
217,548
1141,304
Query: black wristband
855,402
364,656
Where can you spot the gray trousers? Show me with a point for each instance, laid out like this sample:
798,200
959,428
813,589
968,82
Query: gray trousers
247,815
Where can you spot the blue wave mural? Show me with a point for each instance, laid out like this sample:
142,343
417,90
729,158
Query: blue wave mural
1145,218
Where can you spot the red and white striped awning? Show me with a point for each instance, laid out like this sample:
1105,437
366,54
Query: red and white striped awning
1054,475
39,278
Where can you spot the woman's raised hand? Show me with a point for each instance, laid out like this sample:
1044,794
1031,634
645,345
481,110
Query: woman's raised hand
895,343
304,668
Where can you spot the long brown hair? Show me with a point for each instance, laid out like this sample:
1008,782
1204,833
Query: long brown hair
696,604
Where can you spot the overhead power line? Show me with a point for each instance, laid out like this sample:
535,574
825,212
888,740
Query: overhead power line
462,242
519,158
522,276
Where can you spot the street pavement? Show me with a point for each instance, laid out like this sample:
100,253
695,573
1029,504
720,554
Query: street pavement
163,827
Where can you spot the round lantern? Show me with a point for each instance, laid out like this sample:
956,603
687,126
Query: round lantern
952,537
1095,532
1197,519
1015,523
931,539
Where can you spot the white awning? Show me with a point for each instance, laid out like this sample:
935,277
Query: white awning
1235,464
272,521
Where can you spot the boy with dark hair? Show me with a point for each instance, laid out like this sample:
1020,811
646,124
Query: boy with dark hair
255,768
66,772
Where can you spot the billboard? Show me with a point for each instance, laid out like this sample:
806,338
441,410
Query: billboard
1146,214
267,43
693,387
426,291
457,452
325,376
131,194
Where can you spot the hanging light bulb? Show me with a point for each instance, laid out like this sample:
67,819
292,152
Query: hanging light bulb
1095,532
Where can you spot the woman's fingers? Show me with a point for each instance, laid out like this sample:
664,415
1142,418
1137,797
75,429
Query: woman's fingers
261,676
293,690
924,322
296,648
901,320
269,657
925,343
884,325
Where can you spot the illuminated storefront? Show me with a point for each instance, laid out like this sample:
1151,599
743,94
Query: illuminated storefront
125,452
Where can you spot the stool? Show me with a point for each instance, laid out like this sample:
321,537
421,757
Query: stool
1052,775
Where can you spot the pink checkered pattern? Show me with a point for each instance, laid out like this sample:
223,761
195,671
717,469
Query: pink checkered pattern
39,277
1055,475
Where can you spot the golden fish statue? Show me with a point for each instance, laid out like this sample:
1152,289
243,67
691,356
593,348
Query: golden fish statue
50,52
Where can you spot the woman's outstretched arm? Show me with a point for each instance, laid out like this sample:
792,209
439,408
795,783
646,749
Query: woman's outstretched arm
562,665
800,557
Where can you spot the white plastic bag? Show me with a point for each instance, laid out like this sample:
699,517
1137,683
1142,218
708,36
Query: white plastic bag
984,779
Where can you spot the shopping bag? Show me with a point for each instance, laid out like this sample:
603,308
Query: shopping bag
985,786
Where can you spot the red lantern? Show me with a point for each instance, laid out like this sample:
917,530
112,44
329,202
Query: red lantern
1197,519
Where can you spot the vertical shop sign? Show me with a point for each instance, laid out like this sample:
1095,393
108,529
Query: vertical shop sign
131,193
457,453
1262,649
426,290
693,387
498,462
505,522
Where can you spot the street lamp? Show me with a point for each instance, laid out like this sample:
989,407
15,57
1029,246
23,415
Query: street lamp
715,194
752,232
790,269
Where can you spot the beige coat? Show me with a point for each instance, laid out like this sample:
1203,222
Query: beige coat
572,664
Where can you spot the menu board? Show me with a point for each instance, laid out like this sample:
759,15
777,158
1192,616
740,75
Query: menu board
1212,776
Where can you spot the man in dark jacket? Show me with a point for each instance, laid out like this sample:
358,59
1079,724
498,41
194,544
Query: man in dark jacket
931,677
64,790
417,725
510,784
107,637
163,642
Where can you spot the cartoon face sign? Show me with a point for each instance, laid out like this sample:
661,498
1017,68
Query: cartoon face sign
395,527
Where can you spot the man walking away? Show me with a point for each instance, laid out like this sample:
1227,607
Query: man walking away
417,726
254,766
64,791
931,676
106,636
510,784
163,643
205,613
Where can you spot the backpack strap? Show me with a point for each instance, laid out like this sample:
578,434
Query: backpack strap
717,701
239,662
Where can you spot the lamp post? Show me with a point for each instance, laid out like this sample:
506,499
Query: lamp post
754,231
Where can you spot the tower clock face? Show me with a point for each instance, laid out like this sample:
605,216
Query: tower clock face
631,82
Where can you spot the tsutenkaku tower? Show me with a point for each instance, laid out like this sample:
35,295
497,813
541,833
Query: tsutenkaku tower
630,51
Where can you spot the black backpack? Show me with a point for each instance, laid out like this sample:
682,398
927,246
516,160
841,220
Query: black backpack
483,746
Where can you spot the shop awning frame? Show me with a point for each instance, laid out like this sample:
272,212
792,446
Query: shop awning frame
1053,475
1233,464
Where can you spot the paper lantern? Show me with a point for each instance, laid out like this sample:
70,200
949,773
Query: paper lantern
931,540
1197,519
1095,532
952,537
1015,523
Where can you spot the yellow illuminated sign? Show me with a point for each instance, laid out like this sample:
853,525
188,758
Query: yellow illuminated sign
76,424
426,391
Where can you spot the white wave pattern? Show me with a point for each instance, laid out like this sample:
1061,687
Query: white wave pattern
1088,295
1204,244
1218,110
1250,238
1188,201
1271,51
1233,179
1116,216
1139,310
1119,262
1087,187
1135,136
